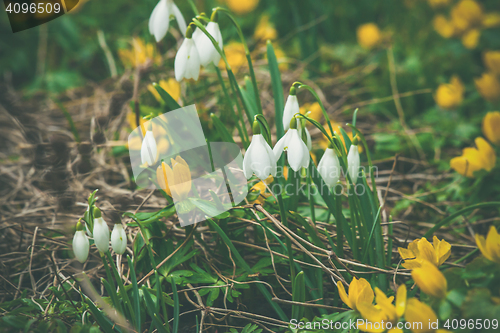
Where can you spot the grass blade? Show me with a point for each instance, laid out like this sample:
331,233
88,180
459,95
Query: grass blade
136,302
279,99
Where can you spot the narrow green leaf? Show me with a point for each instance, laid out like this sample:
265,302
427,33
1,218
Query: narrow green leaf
135,295
150,307
221,129
279,100
298,295
170,102
176,306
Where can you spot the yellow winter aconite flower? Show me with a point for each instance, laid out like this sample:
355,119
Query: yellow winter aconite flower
369,35
261,187
490,247
421,250
492,61
315,110
420,315
430,279
140,54
450,95
488,86
171,86
491,127
475,159
241,7
383,311
466,14
470,39
179,175
235,55
491,20
438,3
265,30
360,291
443,26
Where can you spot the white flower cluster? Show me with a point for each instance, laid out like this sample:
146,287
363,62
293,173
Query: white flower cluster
100,234
261,160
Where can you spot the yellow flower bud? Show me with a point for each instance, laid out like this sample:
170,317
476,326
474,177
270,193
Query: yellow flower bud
491,127
450,95
490,247
369,35
492,61
241,7
430,280
475,159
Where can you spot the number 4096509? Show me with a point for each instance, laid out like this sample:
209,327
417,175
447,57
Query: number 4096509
33,8
473,324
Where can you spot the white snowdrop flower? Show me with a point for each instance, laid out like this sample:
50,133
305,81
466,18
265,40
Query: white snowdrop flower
118,239
291,108
187,59
353,161
80,244
206,49
259,157
298,154
329,167
148,149
101,232
159,20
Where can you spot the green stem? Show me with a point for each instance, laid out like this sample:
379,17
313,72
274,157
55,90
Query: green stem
300,86
247,53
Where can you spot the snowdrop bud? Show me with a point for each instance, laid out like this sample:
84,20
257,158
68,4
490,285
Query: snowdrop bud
259,158
159,20
206,49
80,244
187,59
329,167
353,161
291,108
297,151
148,149
101,232
118,239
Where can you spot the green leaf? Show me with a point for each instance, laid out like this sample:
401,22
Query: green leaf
221,129
176,306
135,295
298,295
279,100
170,102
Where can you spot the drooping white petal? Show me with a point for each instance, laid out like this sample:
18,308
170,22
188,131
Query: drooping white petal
329,167
259,159
180,19
206,49
101,234
281,145
353,163
80,246
291,108
181,59
193,63
297,151
308,139
148,149
197,36
118,239
159,20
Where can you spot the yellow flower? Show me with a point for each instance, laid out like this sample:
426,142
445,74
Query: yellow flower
490,247
471,38
475,159
360,291
171,86
139,55
443,26
180,187
492,61
430,279
491,127
438,3
488,86
466,14
261,187
421,250
315,110
420,315
369,35
235,55
450,95
265,30
491,20
383,311
241,7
